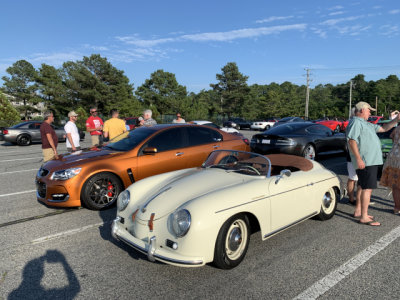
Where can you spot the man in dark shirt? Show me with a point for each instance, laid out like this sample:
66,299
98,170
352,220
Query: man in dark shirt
49,138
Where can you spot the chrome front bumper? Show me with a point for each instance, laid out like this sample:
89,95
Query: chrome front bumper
150,249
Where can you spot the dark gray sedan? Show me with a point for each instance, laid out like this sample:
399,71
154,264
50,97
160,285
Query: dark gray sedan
25,133
298,138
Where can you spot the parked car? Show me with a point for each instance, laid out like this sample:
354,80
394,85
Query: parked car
264,124
132,122
95,177
374,119
237,123
289,120
386,141
28,132
213,125
173,219
332,124
299,138
344,125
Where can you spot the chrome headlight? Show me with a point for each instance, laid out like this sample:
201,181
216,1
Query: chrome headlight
65,174
123,200
180,222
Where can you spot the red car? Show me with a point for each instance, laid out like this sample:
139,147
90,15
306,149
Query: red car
334,125
374,119
131,122
344,125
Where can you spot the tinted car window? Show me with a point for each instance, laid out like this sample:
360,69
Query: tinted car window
198,136
287,128
134,138
319,129
211,125
167,140
34,126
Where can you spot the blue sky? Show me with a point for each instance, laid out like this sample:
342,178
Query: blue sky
271,41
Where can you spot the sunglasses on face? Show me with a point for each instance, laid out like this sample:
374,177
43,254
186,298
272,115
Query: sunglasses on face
94,111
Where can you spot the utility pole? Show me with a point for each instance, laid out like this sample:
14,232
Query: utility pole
351,87
307,93
376,104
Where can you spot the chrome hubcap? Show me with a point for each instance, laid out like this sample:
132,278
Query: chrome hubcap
235,239
327,200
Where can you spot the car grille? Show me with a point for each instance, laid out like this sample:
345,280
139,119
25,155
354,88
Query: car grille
43,172
41,189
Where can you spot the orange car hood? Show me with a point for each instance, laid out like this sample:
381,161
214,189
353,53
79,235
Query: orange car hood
78,157
176,193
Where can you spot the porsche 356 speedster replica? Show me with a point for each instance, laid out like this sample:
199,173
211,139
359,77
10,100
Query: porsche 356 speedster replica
195,216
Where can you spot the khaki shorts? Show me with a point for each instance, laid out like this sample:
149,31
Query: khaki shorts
48,154
95,140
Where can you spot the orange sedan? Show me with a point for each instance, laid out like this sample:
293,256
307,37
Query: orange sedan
95,177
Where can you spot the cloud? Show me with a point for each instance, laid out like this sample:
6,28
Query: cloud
389,30
322,33
394,11
273,18
332,22
336,7
55,59
133,40
335,13
96,48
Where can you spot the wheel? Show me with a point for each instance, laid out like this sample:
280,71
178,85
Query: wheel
309,152
238,127
232,242
328,205
337,129
24,140
101,191
267,127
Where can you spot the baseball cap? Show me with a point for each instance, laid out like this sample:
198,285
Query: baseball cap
72,114
360,105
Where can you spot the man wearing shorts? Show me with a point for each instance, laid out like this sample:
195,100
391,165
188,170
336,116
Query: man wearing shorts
48,137
366,155
94,125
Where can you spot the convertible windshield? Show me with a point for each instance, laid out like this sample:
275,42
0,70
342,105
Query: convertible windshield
239,161
130,139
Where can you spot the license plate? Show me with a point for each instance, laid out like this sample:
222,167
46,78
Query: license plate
266,142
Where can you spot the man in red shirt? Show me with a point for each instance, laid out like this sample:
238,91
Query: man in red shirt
49,138
94,125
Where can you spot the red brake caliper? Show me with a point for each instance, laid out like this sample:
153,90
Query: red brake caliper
109,188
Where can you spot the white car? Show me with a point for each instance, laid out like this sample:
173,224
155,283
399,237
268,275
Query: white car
195,216
263,125
208,123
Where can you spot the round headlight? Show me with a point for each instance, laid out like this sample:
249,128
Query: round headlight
123,200
180,222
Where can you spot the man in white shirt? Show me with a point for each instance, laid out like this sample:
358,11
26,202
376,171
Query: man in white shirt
70,128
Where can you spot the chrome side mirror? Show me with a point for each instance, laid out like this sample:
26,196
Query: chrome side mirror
283,173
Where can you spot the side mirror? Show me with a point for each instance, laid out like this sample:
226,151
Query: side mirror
149,150
283,173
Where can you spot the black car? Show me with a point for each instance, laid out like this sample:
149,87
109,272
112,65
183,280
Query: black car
298,138
289,120
237,123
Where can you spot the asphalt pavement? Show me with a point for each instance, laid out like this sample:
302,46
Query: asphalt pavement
69,253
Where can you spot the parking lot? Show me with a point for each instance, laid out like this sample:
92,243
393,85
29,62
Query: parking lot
69,253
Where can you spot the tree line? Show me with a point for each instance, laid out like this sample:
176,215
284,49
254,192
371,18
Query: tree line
94,81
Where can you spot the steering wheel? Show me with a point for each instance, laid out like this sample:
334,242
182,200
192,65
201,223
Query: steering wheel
252,169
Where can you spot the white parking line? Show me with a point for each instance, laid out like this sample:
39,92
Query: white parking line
4,173
333,278
65,233
18,193
21,159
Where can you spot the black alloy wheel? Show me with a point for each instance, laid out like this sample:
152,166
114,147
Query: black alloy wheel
24,140
101,191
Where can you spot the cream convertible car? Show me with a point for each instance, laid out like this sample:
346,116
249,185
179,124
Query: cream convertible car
195,216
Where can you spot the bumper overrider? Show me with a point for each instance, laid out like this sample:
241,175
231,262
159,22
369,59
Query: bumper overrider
153,248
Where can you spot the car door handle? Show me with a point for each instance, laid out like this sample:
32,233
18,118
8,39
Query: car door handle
216,146
179,153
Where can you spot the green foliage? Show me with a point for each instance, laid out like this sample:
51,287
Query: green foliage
8,114
21,85
162,92
82,117
232,89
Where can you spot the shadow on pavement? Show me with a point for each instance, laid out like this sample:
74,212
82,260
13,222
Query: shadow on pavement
31,287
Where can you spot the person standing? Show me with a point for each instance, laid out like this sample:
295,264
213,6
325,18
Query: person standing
94,125
114,126
391,170
72,140
48,137
366,155
178,119
147,120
